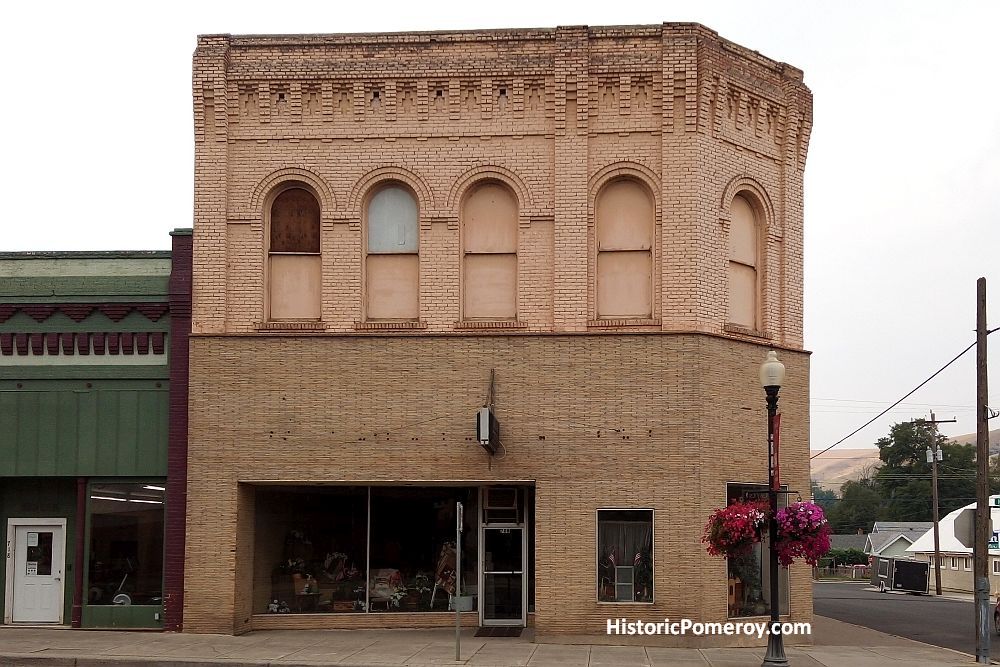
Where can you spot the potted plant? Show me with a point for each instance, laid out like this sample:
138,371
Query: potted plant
396,597
417,590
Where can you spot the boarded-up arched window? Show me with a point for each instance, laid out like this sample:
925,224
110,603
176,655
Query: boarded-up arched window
489,262
392,265
625,230
294,256
743,257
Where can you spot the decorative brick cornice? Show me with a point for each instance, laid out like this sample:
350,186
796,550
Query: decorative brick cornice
95,342
77,312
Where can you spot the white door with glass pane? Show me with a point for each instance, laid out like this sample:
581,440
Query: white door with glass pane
35,573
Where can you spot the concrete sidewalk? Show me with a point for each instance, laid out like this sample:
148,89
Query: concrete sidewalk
837,645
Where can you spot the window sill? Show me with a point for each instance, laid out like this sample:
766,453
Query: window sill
490,324
744,331
291,325
389,325
618,322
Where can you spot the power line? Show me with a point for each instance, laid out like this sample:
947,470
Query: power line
910,393
859,400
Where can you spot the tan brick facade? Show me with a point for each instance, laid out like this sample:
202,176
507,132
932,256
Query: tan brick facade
657,412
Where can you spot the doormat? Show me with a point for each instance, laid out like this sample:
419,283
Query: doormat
499,631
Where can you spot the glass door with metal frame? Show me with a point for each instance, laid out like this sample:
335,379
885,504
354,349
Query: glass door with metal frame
503,600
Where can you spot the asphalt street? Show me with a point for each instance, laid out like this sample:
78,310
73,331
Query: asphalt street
926,618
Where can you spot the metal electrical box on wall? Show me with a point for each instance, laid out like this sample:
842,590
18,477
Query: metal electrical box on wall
487,430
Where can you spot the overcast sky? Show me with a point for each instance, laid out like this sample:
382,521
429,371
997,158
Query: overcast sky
902,180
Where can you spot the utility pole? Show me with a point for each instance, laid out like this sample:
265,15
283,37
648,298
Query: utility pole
934,455
983,517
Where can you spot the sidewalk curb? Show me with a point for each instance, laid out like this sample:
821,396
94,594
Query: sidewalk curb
915,641
34,660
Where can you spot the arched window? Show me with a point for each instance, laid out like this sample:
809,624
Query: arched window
744,286
489,258
625,217
293,256
392,264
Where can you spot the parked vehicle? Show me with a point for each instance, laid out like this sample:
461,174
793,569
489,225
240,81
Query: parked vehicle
901,574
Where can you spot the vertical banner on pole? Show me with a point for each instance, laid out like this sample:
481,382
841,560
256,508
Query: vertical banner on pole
777,452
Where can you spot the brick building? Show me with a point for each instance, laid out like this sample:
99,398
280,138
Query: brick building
93,435
597,231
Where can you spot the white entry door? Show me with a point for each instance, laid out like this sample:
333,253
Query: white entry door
35,591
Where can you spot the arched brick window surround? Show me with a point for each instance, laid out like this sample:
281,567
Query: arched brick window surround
769,231
286,274
757,196
645,177
268,188
489,273
367,184
489,173
394,276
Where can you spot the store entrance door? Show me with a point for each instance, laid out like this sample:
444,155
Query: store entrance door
35,573
504,593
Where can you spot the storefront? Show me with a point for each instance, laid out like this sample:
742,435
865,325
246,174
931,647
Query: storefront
89,355
317,546
125,554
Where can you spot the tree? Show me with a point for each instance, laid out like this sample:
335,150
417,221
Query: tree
904,480
857,509
825,498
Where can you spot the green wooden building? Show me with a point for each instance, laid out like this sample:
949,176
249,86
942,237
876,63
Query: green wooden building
86,341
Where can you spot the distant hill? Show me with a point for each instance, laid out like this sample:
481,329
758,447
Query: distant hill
833,468
970,439
837,466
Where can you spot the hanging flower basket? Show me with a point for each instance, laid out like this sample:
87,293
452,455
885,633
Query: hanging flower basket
803,532
733,530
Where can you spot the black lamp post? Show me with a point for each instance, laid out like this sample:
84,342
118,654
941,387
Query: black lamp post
772,373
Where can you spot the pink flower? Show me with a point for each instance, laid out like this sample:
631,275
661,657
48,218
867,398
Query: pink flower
803,532
733,530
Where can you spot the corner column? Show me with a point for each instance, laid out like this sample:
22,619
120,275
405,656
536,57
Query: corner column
570,307
177,430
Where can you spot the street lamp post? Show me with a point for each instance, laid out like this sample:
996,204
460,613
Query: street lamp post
772,373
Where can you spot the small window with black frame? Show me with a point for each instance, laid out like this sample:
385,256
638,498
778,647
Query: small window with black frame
625,555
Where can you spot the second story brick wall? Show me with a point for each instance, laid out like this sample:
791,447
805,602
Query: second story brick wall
554,117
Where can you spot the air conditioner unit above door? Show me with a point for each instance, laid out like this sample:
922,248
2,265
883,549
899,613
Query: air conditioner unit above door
501,504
